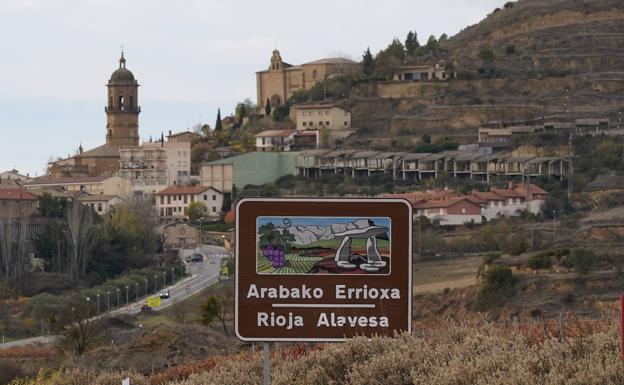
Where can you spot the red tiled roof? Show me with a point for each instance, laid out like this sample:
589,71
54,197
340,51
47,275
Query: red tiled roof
275,133
16,194
508,193
181,190
533,189
487,196
47,180
441,203
419,196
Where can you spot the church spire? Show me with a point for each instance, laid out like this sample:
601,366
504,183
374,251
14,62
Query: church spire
122,60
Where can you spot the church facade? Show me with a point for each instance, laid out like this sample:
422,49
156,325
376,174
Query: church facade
122,130
277,83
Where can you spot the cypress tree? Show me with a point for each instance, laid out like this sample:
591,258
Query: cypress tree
218,124
368,63
267,107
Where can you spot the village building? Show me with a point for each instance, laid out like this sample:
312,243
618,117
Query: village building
306,140
173,202
417,73
122,130
275,140
92,185
16,203
12,176
183,136
101,204
277,83
153,166
450,211
320,115
592,125
180,235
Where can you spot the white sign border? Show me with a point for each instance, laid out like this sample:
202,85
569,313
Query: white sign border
349,200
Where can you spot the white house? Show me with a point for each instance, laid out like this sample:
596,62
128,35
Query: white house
173,202
275,140
101,204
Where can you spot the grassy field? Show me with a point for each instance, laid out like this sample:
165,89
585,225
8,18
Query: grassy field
434,276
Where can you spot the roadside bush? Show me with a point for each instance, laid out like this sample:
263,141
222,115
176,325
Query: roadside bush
498,284
581,260
489,258
540,261
510,49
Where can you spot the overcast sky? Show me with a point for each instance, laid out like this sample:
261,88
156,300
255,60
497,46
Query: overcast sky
190,57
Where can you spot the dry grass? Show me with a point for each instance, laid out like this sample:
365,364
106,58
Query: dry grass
448,355
435,276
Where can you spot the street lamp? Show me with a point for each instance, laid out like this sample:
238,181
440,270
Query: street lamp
201,231
118,297
88,307
107,301
155,283
146,287
136,292
98,304
126,296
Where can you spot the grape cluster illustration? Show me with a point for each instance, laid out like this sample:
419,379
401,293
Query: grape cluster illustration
275,255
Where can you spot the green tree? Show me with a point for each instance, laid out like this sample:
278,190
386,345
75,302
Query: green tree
368,63
195,211
51,207
216,308
411,42
582,260
218,123
498,284
487,55
267,107
390,59
244,109
432,44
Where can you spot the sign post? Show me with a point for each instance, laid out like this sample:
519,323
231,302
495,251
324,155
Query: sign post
320,270
622,327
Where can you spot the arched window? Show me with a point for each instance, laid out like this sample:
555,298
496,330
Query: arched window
121,102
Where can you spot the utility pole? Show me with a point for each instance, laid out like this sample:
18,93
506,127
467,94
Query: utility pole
554,227
108,301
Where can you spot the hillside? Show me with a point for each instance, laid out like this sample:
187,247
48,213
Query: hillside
552,60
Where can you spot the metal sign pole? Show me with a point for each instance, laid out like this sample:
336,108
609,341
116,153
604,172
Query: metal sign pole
266,375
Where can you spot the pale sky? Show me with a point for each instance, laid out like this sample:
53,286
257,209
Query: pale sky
189,56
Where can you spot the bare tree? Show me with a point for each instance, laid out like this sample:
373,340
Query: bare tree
80,237
14,249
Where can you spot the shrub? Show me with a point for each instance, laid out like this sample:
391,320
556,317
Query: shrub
582,260
510,49
490,257
509,5
498,284
540,261
487,55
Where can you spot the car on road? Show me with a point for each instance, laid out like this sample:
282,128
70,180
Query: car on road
195,258
164,293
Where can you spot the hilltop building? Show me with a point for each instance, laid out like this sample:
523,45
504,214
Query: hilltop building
321,115
277,83
122,130
153,166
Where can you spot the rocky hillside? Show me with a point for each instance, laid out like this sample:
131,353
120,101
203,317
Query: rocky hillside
552,60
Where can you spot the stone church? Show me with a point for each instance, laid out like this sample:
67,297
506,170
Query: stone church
277,83
122,130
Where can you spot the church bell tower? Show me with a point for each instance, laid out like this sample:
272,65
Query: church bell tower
122,111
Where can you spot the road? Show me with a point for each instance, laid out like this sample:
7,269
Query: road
203,275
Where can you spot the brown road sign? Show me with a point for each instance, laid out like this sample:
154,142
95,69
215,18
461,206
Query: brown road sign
322,269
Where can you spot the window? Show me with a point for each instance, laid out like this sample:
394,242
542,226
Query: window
205,197
320,113
214,197
121,103
345,124
314,74
303,113
168,199
320,123
175,198
327,123
162,211
192,198
304,124
162,199
99,207
214,209
185,199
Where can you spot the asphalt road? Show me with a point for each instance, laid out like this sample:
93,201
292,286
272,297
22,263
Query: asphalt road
203,275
